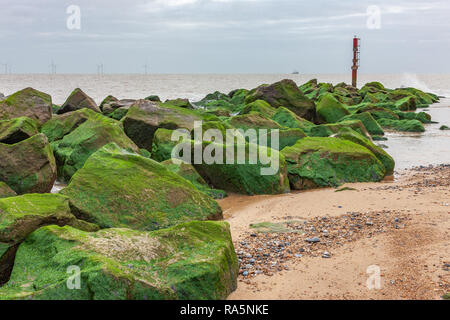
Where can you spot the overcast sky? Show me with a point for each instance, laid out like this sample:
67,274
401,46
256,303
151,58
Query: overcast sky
225,36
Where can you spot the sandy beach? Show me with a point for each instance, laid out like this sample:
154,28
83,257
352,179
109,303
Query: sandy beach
401,226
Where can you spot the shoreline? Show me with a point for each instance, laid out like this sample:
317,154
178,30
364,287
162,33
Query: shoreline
406,234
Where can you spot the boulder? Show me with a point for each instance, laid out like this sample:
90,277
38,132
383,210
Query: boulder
28,166
286,94
368,121
20,216
163,145
378,112
191,261
259,106
421,116
286,118
145,117
29,103
109,108
78,100
324,162
188,172
406,104
154,98
79,134
402,125
6,191
326,130
246,177
383,156
330,110
109,99
17,129
181,103
135,192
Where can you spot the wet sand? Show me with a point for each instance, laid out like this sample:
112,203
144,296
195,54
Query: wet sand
402,226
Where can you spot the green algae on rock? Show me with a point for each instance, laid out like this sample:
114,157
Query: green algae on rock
322,162
286,94
368,121
78,100
240,175
326,130
383,156
286,118
6,191
28,166
188,172
330,110
402,125
135,192
79,134
193,261
29,103
20,216
17,129
145,117
259,106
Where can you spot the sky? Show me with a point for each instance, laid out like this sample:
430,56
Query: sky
224,36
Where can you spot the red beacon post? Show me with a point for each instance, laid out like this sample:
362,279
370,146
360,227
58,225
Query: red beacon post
356,43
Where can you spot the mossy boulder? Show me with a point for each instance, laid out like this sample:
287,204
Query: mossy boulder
330,110
78,100
383,156
111,107
29,103
402,125
188,172
421,116
79,141
6,191
286,118
163,145
154,98
323,162
62,125
240,175
286,94
259,106
253,120
368,121
181,103
135,192
109,99
145,117
191,261
17,129
326,130
20,216
378,112
406,104
28,166
444,127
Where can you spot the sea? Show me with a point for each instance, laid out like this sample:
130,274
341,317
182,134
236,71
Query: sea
408,149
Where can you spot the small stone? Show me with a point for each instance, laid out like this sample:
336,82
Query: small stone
326,255
297,255
245,273
313,240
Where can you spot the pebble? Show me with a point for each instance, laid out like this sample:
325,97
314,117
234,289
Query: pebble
326,255
313,240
